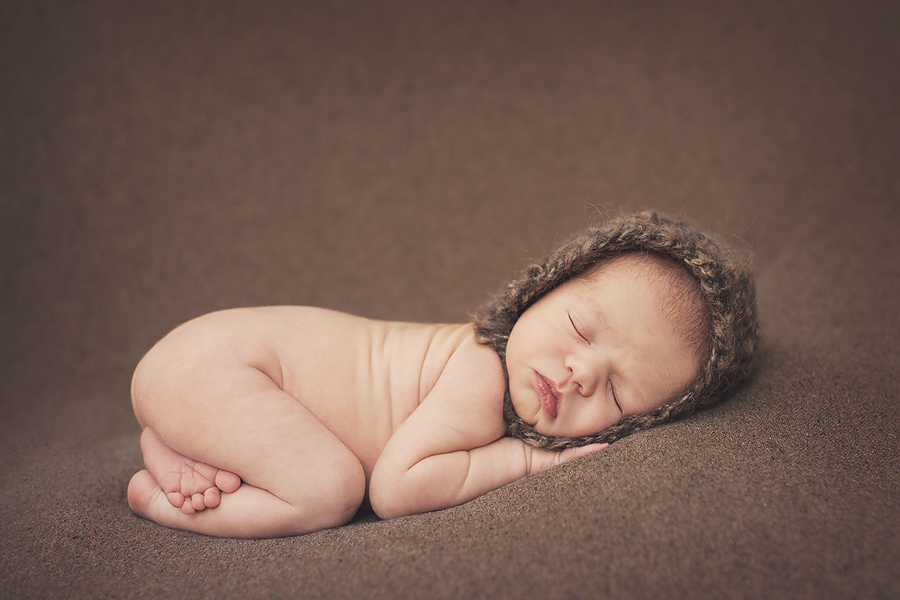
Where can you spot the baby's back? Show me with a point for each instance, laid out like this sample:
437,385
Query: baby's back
361,378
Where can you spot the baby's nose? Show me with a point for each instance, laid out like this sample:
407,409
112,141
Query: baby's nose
584,378
587,370
587,386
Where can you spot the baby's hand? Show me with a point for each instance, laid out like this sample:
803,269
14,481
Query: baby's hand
538,460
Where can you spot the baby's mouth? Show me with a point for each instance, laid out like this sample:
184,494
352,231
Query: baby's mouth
549,399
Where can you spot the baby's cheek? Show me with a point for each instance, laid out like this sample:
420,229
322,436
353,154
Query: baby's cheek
527,408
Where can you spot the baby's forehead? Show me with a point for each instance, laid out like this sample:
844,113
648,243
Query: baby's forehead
669,281
636,264
632,273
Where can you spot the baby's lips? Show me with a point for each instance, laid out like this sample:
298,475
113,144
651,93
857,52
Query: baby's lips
548,394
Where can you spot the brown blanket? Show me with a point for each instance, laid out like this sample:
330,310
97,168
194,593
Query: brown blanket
401,160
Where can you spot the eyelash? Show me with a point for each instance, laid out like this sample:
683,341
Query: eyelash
615,398
575,327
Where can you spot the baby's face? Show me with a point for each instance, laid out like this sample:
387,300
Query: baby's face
596,349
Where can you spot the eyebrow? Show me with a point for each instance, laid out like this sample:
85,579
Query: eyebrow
602,317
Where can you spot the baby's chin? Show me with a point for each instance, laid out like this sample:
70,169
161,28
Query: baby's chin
532,416
538,423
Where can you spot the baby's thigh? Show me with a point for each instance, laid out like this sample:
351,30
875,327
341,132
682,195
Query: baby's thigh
274,443
234,417
283,448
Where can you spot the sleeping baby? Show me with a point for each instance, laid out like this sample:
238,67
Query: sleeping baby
276,421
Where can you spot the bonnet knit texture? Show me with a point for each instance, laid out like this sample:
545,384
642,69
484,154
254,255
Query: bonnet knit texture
725,285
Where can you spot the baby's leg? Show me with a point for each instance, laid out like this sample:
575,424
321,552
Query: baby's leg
211,406
188,484
297,477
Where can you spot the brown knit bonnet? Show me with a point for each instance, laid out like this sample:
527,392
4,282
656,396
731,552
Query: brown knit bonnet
725,285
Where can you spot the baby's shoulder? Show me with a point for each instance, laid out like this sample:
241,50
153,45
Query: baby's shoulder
467,396
450,343
476,370
478,358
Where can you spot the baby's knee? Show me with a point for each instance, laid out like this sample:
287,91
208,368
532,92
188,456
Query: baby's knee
340,493
349,489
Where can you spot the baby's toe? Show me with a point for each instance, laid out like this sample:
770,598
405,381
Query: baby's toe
176,499
197,502
227,481
212,497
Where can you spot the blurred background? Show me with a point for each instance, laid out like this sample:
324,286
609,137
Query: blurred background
402,160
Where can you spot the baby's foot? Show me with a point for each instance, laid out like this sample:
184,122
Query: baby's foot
188,484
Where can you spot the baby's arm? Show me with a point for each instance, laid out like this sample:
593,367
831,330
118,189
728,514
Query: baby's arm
452,449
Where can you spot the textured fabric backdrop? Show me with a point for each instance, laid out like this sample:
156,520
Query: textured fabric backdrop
400,160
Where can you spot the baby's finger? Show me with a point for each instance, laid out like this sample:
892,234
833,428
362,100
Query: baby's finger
595,447
583,450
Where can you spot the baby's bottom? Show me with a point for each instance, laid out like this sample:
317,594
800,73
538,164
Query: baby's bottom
286,473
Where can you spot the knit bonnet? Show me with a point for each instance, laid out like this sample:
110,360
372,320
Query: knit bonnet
725,285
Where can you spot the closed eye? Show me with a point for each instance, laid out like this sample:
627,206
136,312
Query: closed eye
575,327
611,390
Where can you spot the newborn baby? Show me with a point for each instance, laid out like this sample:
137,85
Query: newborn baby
277,421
